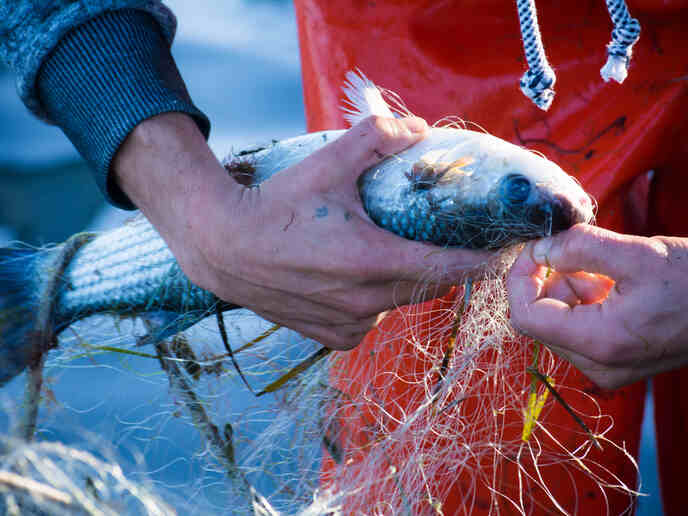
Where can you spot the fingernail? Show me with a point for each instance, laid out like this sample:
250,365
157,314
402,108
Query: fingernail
416,124
541,251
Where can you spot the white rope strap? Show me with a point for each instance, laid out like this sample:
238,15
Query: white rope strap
624,35
537,82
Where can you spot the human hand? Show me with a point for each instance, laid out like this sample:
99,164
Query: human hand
300,249
614,305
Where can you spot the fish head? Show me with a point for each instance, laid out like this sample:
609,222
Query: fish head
486,193
533,196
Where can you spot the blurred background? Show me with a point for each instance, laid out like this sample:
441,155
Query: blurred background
240,61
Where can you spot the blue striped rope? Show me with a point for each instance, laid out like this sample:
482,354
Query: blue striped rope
624,35
538,81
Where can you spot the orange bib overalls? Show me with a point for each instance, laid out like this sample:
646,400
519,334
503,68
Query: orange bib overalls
465,58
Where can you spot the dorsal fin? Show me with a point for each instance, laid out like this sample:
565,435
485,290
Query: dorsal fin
363,98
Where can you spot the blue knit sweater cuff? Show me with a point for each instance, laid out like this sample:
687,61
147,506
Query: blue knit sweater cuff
105,77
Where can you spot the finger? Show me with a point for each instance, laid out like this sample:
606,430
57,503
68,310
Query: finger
376,138
579,327
368,143
283,305
368,300
577,287
525,284
394,258
592,249
600,374
338,337
402,293
391,257
617,375
551,320
347,306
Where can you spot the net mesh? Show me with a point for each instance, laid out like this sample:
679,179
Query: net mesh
438,411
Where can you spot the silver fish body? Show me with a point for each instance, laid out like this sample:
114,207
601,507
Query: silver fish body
456,188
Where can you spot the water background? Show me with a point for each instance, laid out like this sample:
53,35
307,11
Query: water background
240,62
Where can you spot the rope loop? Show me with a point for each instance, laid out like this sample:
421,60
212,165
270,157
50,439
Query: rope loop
537,86
43,334
624,35
537,82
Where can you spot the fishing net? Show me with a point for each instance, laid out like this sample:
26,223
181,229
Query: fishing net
51,478
443,409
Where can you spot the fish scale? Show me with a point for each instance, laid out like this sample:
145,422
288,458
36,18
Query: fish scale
130,268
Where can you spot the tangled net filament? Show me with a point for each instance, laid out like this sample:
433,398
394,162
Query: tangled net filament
427,416
51,478
436,419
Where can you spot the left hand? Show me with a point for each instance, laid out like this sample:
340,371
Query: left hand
300,250
614,305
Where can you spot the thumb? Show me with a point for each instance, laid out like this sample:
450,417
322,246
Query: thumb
369,142
590,249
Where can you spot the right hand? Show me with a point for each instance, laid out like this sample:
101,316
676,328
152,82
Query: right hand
614,305
299,250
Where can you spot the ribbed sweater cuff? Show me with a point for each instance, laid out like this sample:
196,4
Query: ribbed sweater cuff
105,77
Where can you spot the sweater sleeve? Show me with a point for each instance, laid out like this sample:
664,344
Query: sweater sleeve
95,69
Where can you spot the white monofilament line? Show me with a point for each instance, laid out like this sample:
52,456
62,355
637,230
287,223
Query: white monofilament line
439,435
453,425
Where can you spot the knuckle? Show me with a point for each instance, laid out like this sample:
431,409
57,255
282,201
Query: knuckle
342,342
658,249
364,307
380,130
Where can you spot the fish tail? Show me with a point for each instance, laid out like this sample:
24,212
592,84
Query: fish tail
18,304
30,279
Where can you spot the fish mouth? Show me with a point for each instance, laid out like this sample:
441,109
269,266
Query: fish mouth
529,210
559,213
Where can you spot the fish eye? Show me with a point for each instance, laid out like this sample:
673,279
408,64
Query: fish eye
515,188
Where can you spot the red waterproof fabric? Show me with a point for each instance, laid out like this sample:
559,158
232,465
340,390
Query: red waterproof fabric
465,58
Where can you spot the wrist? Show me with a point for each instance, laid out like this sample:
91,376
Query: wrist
168,171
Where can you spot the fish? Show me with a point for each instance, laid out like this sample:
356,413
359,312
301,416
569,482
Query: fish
458,188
